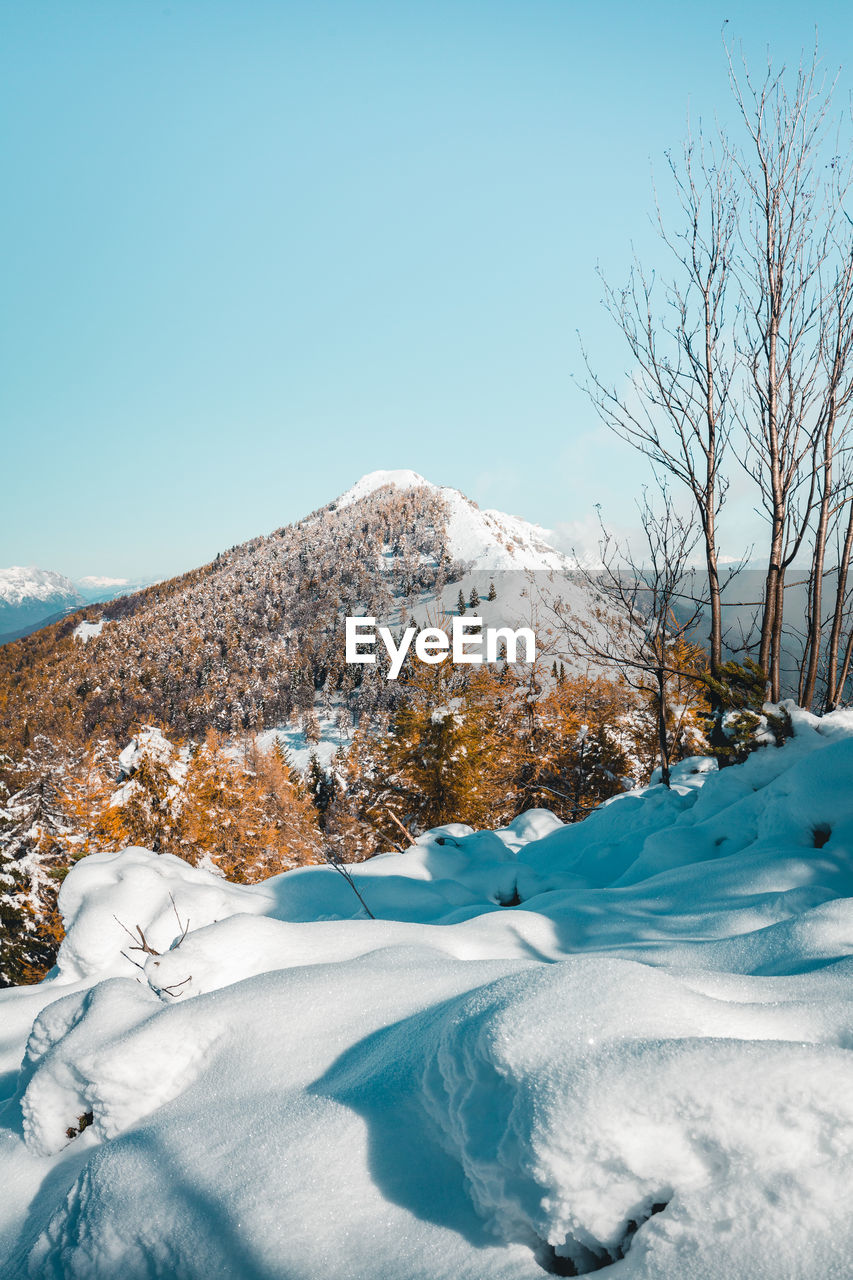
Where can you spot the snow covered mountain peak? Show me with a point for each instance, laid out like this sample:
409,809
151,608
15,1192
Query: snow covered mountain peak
481,539
402,479
21,583
31,598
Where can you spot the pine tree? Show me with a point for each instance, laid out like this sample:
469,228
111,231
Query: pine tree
311,727
322,787
493,595
735,719
474,599
148,810
246,813
460,603
579,750
448,754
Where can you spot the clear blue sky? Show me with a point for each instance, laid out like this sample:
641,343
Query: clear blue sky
252,250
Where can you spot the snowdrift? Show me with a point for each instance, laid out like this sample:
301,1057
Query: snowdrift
623,1046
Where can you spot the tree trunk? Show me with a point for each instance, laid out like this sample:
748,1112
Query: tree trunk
715,602
663,745
816,593
776,638
833,693
845,668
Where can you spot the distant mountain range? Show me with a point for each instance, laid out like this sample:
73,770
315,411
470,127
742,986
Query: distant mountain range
31,598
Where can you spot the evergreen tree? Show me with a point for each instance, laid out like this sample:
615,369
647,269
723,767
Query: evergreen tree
322,787
579,750
311,727
460,603
736,717
247,812
448,754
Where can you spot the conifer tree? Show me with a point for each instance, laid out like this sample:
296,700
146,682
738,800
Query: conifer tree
311,727
246,813
580,747
448,754
322,787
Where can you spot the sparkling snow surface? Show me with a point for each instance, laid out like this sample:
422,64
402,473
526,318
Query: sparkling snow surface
643,1064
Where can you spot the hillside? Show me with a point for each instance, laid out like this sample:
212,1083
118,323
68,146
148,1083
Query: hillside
257,747
640,1067
246,641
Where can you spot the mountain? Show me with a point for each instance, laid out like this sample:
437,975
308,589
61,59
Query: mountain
30,596
481,540
95,588
256,636
241,667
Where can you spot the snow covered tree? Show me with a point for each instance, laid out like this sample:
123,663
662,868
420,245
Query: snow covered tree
311,727
245,813
145,809
323,788
580,751
448,754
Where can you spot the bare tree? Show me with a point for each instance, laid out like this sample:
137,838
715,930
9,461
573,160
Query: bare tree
836,338
835,680
749,342
677,411
645,608
792,302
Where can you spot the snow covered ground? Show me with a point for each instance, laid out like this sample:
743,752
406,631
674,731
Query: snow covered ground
624,1045
300,748
86,630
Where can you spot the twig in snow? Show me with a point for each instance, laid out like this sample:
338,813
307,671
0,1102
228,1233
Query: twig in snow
333,861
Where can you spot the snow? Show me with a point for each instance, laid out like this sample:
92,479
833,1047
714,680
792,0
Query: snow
86,630
150,743
300,748
643,1064
19,585
374,480
485,541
